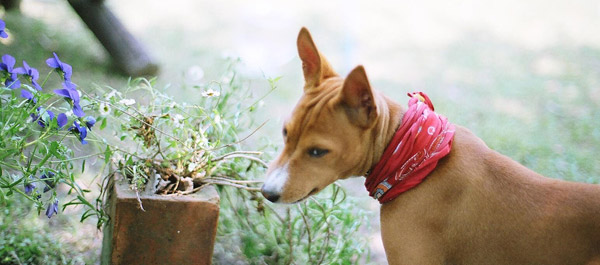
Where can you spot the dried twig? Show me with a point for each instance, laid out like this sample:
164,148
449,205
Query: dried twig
243,139
234,153
310,261
132,116
137,195
327,235
238,181
251,189
242,154
291,244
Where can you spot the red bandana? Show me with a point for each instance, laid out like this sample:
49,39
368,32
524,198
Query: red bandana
423,138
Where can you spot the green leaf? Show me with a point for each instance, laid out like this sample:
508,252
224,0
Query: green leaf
86,214
83,166
107,154
103,124
53,147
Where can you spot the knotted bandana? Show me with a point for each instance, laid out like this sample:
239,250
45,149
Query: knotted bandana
424,137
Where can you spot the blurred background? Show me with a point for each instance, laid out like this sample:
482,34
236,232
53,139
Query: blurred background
522,75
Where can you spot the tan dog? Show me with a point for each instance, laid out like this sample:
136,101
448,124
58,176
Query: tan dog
476,207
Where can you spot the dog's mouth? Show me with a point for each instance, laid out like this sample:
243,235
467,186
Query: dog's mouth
312,192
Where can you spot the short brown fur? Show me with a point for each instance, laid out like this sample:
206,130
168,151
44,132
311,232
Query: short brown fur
476,207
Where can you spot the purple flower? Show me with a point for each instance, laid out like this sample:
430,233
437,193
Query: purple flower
35,117
2,27
48,179
72,96
65,70
69,85
78,111
50,115
29,186
31,73
40,119
26,94
9,74
89,122
69,92
79,130
52,209
61,120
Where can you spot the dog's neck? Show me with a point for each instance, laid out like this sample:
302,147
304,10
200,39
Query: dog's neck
389,119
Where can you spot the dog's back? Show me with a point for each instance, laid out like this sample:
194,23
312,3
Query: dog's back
480,207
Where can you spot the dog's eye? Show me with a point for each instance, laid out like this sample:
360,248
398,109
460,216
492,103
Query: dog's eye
284,132
317,152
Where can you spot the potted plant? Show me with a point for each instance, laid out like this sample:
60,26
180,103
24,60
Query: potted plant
161,206
156,204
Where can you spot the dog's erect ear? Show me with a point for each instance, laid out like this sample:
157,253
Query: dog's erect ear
314,65
357,98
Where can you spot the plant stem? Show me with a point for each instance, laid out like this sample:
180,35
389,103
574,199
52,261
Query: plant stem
36,140
47,76
134,117
210,181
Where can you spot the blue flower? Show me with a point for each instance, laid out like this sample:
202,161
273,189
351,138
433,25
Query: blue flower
72,96
78,111
48,179
64,69
79,130
7,68
29,186
2,31
39,117
61,120
35,117
89,122
26,94
69,92
31,73
52,209
50,115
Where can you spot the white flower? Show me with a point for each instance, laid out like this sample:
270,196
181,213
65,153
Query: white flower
177,120
127,101
203,141
112,94
104,109
191,166
211,93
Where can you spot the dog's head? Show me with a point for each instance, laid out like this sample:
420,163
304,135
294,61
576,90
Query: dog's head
329,133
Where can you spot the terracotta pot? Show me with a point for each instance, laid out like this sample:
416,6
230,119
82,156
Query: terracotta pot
170,229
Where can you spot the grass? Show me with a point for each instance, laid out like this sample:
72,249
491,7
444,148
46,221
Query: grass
539,107
27,240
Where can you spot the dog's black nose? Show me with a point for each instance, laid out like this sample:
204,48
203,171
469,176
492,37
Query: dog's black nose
270,195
